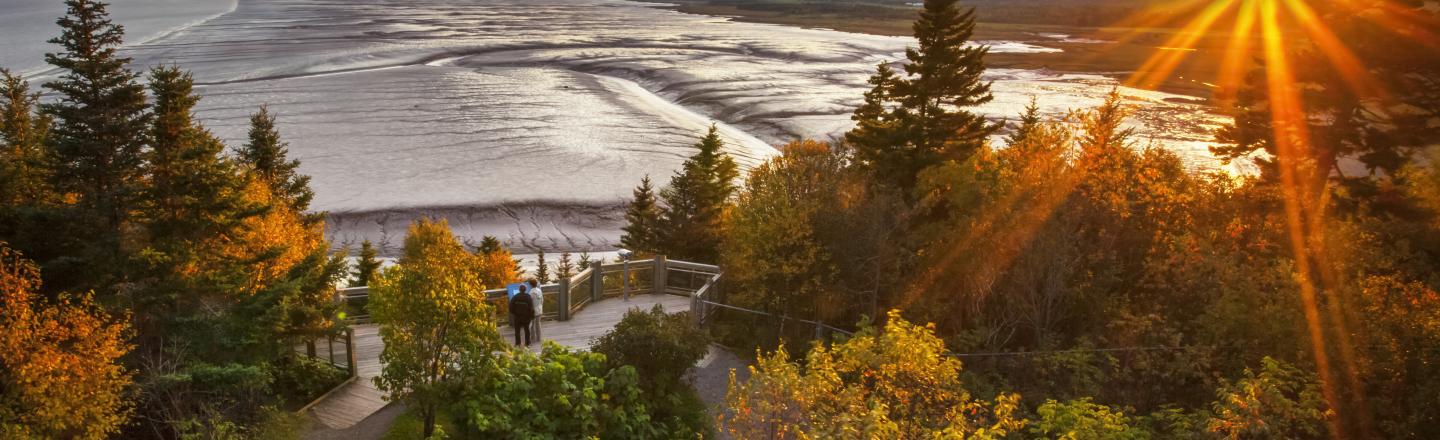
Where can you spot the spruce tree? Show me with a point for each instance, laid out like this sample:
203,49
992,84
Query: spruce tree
642,218
542,268
367,267
97,143
26,194
691,223
928,122
23,156
565,268
876,138
489,245
194,201
1029,121
584,260
195,192
267,155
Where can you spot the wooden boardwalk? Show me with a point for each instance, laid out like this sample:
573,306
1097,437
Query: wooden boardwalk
359,398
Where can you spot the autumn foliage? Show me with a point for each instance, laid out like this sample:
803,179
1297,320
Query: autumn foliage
60,375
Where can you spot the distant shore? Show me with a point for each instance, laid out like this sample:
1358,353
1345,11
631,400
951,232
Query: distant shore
1111,51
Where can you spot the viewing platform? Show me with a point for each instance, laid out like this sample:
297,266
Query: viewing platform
577,310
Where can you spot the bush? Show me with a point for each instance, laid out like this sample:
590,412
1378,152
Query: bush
661,347
300,379
1077,419
558,394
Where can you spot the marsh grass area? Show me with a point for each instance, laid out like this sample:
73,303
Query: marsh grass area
1120,52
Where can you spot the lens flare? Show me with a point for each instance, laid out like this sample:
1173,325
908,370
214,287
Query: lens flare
1289,31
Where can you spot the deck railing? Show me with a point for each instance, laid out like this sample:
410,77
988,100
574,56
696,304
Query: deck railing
568,296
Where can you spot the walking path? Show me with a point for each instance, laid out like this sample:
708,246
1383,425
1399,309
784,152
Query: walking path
359,398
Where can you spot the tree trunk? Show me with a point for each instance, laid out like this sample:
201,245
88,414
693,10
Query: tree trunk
429,413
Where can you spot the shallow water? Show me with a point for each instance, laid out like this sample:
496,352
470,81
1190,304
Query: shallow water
532,120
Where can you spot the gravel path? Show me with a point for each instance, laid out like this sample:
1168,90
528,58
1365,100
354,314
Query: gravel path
712,375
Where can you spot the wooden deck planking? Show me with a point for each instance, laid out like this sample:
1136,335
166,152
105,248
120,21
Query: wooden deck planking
359,399
596,319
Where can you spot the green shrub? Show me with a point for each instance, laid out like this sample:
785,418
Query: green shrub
1083,419
661,347
299,380
558,394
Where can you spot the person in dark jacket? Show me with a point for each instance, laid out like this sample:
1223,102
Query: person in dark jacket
522,310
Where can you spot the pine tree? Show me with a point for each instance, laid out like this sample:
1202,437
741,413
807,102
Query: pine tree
542,268
97,143
367,267
1029,122
266,154
642,219
930,119
565,268
691,223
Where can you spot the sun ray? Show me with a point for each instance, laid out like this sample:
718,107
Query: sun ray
1237,53
1162,64
1145,21
1351,70
1292,139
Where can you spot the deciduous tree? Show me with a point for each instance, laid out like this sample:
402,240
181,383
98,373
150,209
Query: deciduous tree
60,371
433,318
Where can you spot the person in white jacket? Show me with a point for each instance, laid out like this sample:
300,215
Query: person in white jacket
539,308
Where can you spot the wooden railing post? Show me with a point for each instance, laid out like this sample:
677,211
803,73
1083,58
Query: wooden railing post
657,282
563,301
696,309
597,281
350,352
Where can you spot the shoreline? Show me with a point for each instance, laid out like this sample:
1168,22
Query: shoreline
1088,50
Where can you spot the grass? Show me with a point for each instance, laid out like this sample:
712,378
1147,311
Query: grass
408,427
1115,58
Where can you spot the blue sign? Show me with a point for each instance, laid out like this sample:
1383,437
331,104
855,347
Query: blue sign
513,289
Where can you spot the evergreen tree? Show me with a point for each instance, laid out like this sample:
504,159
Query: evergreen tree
194,192
26,195
489,245
97,142
23,161
928,122
542,268
564,269
266,154
642,219
876,137
194,200
1029,122
691,223
584,260
367,267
